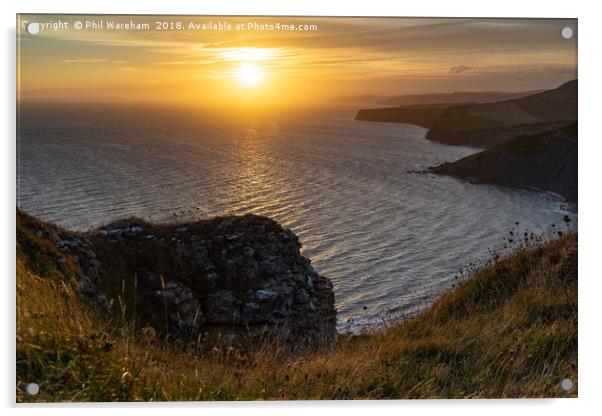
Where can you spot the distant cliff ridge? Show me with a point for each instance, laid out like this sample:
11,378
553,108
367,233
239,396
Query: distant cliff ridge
457,97
490,134
546,161
427,99
422,115
531,141
485,125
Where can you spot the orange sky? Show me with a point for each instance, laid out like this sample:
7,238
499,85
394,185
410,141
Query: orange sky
343,57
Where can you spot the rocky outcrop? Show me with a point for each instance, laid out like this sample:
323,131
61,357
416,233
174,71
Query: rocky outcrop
235,278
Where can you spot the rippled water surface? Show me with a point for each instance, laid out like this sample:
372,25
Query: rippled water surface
387,238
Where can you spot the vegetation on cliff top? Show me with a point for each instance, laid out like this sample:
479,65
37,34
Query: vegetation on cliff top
508,330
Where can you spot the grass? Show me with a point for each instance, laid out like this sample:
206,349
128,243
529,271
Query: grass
507,330
538,145
459,122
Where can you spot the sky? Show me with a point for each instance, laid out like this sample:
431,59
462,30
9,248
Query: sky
259,61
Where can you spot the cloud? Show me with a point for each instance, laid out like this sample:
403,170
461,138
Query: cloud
459,69
84,61
549,70
367,55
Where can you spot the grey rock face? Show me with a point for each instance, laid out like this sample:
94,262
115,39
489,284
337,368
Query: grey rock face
181,306
81,251
244,275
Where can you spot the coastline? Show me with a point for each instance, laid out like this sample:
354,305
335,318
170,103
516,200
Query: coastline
526,143
545,161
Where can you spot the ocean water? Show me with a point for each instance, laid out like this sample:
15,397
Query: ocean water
389,240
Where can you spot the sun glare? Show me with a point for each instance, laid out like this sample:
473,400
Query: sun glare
249,74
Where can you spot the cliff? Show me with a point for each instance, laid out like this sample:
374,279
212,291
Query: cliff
545,161
472,119
237,278
489,124
422,115
531,140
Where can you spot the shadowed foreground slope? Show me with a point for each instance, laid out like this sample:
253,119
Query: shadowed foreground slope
509,330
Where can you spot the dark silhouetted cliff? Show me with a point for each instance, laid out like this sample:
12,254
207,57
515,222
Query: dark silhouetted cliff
546,161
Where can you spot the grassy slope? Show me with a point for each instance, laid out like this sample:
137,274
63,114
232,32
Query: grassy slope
423,115
553,105
510,330
470,124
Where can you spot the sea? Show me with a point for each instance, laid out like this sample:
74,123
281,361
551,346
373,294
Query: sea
390,239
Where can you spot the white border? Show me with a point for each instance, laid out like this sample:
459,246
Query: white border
589,223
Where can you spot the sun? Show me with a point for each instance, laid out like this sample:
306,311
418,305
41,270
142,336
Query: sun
249,75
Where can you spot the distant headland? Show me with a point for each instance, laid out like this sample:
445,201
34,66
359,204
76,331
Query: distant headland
530,140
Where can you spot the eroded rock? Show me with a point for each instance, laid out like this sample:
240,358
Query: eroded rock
244,275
